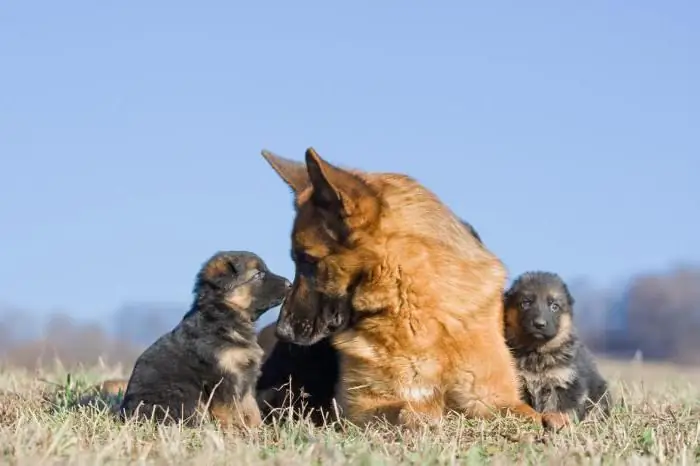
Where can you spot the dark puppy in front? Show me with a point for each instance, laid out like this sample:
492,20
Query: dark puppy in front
558,373
210,361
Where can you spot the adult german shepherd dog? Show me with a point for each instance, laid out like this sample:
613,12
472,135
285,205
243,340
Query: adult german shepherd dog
412,301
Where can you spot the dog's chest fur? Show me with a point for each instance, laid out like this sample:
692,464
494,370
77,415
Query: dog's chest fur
547,378
391,367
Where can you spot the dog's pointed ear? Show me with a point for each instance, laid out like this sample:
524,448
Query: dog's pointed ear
339,191
293,173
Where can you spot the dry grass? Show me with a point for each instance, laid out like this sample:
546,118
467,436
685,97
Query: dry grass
656,419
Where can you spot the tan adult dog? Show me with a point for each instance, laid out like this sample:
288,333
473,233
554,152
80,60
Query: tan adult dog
412,300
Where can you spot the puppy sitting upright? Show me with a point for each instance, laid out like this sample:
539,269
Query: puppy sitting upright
558,373
211,359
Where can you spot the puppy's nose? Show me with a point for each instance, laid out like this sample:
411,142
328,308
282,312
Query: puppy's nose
539,323
287,284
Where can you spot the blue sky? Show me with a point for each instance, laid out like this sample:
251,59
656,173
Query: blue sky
130,132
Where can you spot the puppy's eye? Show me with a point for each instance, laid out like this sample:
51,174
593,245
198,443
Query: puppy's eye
258,275
525,304
554,307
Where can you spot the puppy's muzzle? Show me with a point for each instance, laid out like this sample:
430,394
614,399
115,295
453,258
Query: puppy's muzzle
539,323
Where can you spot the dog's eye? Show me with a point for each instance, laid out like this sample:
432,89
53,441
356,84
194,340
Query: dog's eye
554,307
258,275
525,304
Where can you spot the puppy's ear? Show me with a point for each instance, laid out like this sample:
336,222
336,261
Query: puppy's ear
340,192
218,267
293,173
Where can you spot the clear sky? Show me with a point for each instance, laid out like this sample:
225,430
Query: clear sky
130,132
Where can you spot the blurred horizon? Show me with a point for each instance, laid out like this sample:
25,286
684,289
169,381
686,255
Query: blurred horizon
654,315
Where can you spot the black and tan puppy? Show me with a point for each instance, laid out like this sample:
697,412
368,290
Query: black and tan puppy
557,372
211,360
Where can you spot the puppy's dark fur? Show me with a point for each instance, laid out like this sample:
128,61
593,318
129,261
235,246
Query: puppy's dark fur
299,376
211,360
557,372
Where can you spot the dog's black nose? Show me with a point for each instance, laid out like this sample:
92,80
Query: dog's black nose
287,284
539,323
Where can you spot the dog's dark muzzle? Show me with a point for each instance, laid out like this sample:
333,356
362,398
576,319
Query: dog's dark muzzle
307,331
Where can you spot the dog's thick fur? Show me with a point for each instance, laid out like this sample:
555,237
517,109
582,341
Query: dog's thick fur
557,372
210,362
412,301
472,231
303,378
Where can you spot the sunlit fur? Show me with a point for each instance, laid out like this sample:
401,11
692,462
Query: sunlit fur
300,379
412,300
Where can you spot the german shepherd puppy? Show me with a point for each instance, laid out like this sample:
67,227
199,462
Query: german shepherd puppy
211,360
302,377
558,373
412,302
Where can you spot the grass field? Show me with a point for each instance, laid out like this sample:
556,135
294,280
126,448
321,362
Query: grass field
656,420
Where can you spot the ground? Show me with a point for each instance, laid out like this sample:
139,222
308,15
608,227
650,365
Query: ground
656,419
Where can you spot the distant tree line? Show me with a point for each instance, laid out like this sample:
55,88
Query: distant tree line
655,314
